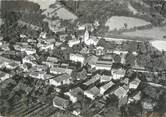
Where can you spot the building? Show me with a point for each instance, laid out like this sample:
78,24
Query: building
91,60
37,74
134,84
89,40
60,70
12,65
51,61
4,76
100,51
73,42
63,37
60,103
43,35
63,79
92,93
29,51
93,80
105,78
135,97
47,47
118,73
120,92
103,65
148,104
105,87
29,59
74,94
77,58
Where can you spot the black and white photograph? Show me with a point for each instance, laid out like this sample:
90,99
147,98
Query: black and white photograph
82,58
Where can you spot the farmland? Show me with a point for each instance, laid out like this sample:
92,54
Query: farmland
117,22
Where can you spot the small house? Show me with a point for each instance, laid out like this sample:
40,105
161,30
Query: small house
92,93
60,103
60,80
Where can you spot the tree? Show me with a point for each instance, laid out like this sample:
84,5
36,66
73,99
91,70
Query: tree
130,59
117,58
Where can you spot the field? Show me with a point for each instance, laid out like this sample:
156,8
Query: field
65,14
117,22
154,33
160,45
44,4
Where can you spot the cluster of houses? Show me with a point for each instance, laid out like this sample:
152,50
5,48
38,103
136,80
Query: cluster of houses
95,86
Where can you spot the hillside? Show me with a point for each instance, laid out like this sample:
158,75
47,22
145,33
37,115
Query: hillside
90,10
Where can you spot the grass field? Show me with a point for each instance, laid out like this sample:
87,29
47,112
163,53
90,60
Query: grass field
117,22
155,33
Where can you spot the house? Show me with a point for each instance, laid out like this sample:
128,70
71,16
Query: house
29,51
73,42
12,65
51,61
60,80
24,67
148,104
91,60
49,41
57,44
135,97
60,70
63,37
120,92
103,65
118,73
74,94
125,81
37,74
43,35
5,47
93,80
4,76
76,112
92,93
31,41
105,87
99,51
77,58
47,47
87,26
22,36
38,68
29,59
105,78
60,103
134,84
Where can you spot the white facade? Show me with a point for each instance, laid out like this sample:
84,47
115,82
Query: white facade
77,58
4,76
89,95
59,83
72,97
118,73
104,88
134,84
73,42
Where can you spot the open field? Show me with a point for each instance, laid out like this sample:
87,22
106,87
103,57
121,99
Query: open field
155,33
63,13
117,22
160,45
44,4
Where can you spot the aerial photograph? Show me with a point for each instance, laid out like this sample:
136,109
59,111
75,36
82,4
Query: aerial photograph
82,58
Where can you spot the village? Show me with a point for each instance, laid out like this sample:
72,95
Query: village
73,70
91,75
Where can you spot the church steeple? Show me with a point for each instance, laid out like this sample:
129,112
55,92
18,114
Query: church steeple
86,35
